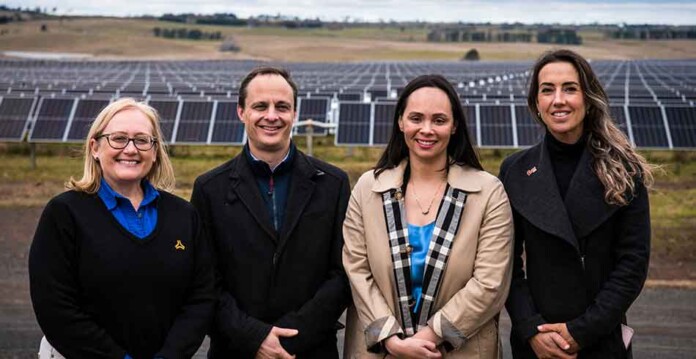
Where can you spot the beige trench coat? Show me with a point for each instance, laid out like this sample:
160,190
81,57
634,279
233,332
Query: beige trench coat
475,281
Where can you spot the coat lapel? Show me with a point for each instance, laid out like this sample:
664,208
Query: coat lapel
533,192
389,184
243,187
446,227
397,228
301,188
584,201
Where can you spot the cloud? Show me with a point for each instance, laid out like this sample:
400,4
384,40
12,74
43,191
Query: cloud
680,12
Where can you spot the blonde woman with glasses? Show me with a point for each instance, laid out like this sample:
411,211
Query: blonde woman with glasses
118,266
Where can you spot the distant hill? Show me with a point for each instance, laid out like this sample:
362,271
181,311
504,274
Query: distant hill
133,38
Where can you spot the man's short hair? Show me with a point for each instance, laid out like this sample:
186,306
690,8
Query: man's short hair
266,70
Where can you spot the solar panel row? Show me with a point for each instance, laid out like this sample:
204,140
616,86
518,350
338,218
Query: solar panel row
194,122
651,82
501,126
68,120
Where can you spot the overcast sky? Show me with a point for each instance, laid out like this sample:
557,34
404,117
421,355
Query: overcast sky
678,12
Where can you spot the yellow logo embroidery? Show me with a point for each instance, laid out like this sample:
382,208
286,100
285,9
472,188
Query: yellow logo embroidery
179,246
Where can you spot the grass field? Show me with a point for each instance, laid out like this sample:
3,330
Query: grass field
114,38
672,201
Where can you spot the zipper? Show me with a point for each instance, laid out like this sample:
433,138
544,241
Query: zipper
582,248
271,192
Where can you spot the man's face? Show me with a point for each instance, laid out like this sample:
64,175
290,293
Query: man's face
268,114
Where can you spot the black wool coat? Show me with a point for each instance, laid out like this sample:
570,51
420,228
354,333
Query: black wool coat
292,278
585,261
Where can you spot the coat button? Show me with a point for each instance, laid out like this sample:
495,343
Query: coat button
406,250
398,196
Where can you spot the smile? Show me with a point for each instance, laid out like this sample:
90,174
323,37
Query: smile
128,162
560,114
425,143
271,128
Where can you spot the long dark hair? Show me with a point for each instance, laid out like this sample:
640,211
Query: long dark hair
459,150
615,161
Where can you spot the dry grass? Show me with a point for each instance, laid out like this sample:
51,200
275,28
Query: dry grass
110,38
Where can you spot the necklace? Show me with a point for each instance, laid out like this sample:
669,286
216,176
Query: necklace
430,205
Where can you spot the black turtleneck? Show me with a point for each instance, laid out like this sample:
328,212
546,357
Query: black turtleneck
564,159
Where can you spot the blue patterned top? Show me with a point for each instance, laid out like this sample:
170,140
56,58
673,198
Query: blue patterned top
419,239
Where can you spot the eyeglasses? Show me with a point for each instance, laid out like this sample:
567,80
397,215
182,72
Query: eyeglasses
119,141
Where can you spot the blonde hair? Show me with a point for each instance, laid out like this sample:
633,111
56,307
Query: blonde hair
615,162
161,175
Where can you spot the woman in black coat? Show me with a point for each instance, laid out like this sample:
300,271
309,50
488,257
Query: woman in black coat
580,205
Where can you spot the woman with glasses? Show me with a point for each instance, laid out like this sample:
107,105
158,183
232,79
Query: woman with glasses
118,266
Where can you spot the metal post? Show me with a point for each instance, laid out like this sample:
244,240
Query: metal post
310,132
32,155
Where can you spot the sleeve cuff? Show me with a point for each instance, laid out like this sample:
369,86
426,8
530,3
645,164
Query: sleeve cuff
447,331
380,330
580,334
528,328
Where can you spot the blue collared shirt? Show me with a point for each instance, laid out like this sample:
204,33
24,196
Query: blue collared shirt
141,222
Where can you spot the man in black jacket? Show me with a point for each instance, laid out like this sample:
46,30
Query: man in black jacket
275,217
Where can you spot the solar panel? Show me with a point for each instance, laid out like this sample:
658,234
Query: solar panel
85,113
51,119
349,96
383,122
529,130
648,126
470,114
496,126
662,87
14,117
619,116
168,111
353,123
682,126
227,127
194,122
315,108
378,93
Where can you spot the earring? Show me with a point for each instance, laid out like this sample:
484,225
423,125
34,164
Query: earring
539,114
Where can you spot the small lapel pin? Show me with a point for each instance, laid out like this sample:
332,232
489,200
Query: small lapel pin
179,246
398,195
531,171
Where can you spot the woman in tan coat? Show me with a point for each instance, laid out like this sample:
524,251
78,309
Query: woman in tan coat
428,239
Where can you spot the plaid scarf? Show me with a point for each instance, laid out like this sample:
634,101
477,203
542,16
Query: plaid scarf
446,226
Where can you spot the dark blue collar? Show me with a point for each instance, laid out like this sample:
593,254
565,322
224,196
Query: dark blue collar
109,196
262,169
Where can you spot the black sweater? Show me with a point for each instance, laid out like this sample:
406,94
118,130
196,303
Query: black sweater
564,159
100,292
